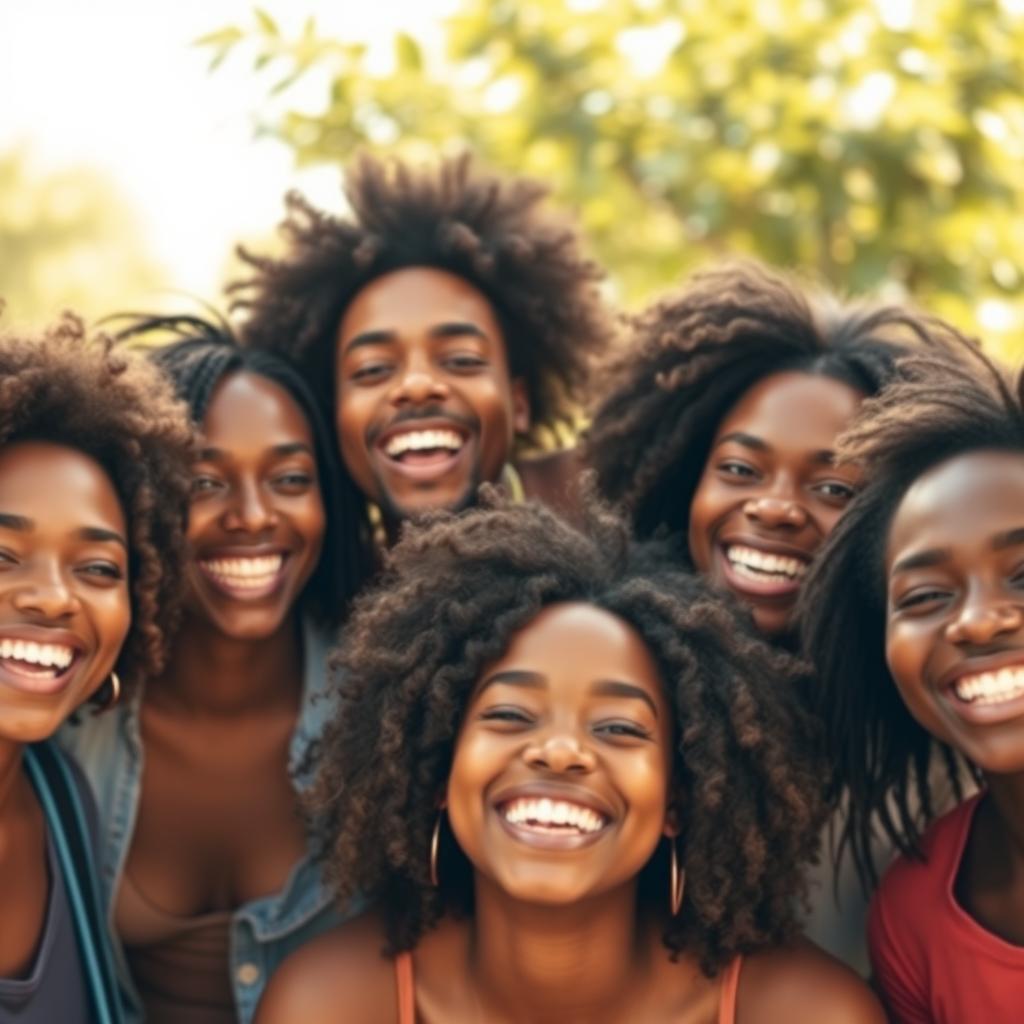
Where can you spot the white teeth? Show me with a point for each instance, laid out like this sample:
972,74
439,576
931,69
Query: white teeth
991,687
245,572
758,564
50,655
422,440
553,813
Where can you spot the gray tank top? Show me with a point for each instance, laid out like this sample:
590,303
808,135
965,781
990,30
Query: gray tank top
55,988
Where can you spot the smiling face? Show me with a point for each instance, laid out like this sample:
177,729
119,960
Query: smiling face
955,627
426,410
771,491
65,608
256,519
560,779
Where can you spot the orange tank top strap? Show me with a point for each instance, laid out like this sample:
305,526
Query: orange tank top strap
406,987
730,986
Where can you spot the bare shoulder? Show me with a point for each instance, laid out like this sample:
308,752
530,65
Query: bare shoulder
341,977
802,984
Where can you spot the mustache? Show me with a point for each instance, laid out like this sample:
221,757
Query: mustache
471,424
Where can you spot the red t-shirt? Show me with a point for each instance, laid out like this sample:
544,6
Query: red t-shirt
934,962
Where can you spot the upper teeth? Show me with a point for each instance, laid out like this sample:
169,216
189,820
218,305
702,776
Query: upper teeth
419,440
38,654
244,571
991,687
752,559
553,812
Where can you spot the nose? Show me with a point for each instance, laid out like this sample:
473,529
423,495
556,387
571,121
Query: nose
249,510
560,752
775,511
981,621
46,595
418,385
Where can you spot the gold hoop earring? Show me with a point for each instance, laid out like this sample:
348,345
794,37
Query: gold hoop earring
435,845
115,695
677,881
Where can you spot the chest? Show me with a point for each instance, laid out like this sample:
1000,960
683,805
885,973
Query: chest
218,819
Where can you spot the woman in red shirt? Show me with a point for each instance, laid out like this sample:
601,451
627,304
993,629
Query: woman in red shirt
915,616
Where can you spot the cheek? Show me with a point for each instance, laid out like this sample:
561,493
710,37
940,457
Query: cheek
907,649
703,509
113,615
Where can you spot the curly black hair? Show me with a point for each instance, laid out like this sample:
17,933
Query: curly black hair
695,353
884,762
204,351
452,595
68,389
453,216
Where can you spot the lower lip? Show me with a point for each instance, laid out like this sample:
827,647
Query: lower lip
781,589
986,714
550,841
38,686
244,593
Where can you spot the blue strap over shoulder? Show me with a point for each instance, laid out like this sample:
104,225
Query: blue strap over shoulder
65,817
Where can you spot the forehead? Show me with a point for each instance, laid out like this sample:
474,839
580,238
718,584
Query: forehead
793,409
249,410
960,503
35,473
414,299
576,642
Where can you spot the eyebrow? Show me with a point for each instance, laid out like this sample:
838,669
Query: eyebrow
448,329
921,560
1008,539
98,533
602,688
281,450
824,456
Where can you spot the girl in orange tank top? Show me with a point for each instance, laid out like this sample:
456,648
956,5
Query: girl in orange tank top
571,753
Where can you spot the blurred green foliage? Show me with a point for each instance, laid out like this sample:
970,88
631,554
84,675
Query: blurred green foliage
878,146
68,242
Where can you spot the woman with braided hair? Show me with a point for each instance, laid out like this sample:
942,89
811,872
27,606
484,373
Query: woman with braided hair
576,788
94,457
914,616
213,754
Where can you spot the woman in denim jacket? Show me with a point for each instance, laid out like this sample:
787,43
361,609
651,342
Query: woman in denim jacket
205,854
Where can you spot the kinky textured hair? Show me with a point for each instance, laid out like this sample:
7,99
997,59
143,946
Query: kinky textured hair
452,595
937,410
692,357
203,354
66,389
484,228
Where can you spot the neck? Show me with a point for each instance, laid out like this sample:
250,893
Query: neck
1007,792
211,673
554,964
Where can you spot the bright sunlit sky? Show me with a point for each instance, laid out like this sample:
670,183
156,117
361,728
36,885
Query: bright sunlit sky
118,85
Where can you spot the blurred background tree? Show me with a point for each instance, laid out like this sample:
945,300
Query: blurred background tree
876,145
69,241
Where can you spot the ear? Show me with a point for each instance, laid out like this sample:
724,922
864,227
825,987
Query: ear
673,822
520,406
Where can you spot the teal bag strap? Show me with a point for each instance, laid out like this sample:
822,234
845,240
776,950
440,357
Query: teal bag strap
69,832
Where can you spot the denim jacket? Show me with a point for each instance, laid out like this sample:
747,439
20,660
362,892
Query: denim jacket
109,750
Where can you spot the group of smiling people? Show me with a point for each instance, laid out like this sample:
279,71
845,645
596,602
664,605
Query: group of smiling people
334,691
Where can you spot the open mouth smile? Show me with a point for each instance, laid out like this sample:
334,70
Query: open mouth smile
758,571
424,452
36,667
983,689
245,577
552,823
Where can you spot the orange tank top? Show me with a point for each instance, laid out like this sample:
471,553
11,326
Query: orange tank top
406,986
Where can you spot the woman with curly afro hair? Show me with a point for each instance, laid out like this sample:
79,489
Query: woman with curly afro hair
574,785
718,424
94,457
445,316
915,618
